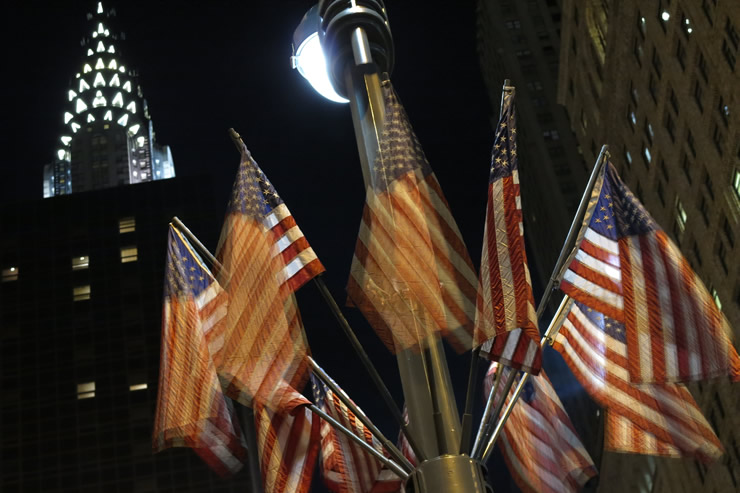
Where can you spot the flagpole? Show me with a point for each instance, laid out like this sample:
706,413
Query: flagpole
490,413
196,242
467,417
354,341
255,471
549,334
359,441
573,231
339,392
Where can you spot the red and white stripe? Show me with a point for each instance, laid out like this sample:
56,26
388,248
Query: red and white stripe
288,448
656,419
539,443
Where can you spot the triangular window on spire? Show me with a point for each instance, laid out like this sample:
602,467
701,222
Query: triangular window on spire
113,65
66,139
89,52
122,69
100,7
67,116
133,129
61,154
75,127
107,33
101,47
81,106
99,100
99,65
71,94
131,107
115,82
123,120
101,29
95,34
127,86
99,80
87,68
111,49
83,85
108,115
90,118
118,100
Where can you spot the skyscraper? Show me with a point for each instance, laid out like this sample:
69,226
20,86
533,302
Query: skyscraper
108,136
658,82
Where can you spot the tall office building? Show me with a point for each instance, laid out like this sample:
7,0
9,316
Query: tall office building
658,82
108,137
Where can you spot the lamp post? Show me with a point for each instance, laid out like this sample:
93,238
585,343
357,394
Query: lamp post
357,44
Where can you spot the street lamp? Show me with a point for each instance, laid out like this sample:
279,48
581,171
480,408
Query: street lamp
357,44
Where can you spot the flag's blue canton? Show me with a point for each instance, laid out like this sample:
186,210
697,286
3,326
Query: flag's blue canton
253,195
319,389
400,150
528,392
611,327
632,217
186,274
504,153
602,219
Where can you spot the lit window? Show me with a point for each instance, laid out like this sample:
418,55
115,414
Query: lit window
75,127
108,115
83,85
138,386
628,156
66,139
106,33
81,106
118,101
123,120
95,34
61,154
87,68
99,80
140,140
101,29
90,118
99,65
114,82
127,86
86,390
646,154
131,107
127,225
67,116
129,254
99,99
111,49
664,16
100,7
71,94
80,263
113,65
715,297
81,293
736,183
133,129
89,52
680,215
10,274
101,47
122,69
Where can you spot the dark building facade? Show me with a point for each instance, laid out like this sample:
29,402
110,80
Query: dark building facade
80,320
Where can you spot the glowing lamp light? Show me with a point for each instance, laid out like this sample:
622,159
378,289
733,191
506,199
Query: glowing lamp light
665,15
309,58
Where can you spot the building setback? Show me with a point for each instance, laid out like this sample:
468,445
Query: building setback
658,82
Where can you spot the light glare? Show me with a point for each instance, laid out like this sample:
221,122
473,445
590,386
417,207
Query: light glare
311,64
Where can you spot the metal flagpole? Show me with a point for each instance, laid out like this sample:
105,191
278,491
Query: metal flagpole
549,334
390,447
359,441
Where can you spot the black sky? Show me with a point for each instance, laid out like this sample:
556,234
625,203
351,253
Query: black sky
208,66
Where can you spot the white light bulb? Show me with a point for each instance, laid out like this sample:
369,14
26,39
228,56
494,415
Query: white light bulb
311,64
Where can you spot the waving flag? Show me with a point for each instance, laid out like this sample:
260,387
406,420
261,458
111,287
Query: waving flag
288,445
191,408
345,466
538,442
261,352
654,419
627,268
411,275
505,318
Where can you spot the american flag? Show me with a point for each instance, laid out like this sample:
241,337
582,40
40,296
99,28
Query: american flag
411,275
538,442
288,445
262,351
191,408
347,468
505,319
655,419
626,267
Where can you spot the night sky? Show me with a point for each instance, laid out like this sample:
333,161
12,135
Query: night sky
208,66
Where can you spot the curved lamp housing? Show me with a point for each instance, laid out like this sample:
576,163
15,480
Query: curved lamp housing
309,57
